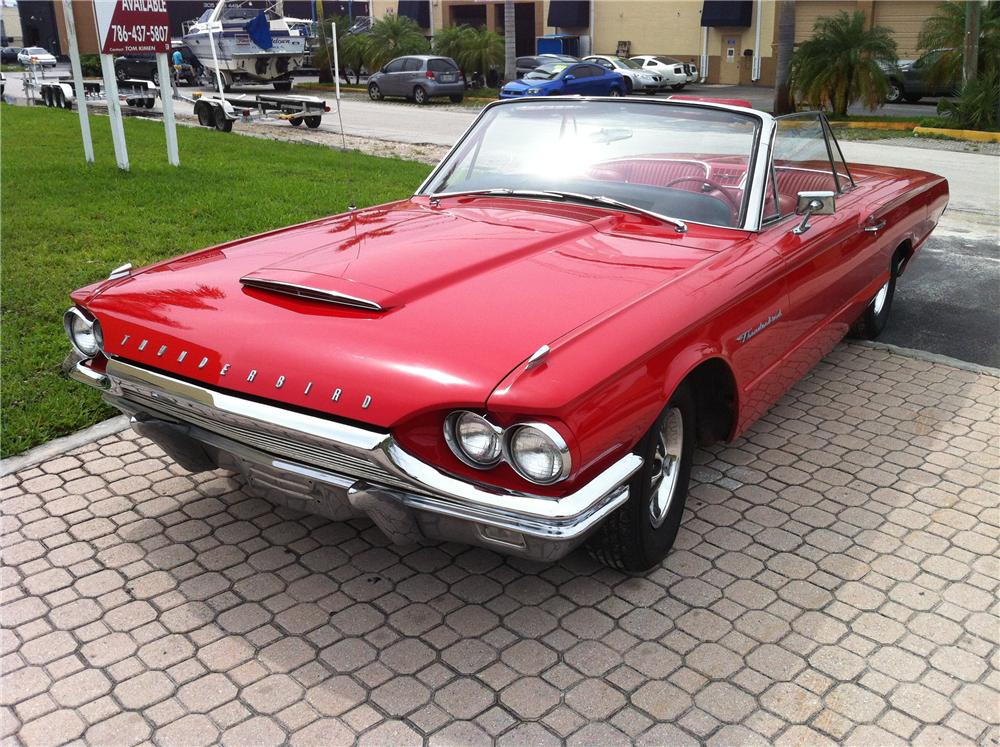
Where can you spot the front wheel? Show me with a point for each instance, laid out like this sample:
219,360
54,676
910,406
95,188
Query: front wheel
120,73
641,532
895,94
629,85
374,92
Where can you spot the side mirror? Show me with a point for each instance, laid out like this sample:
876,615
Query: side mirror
813,203
569,77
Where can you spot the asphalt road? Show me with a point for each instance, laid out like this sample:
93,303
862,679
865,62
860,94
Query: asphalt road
948,302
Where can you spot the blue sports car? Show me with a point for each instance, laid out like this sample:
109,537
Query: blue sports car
566,79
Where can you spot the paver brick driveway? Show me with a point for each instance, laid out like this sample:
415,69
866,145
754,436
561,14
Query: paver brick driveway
835,578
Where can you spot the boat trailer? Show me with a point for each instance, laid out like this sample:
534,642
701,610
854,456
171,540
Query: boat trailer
219,111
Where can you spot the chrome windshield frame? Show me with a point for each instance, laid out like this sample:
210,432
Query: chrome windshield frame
757,165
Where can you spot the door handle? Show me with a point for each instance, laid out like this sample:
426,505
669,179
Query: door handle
875,227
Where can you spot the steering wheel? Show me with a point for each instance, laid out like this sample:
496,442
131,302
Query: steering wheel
714,185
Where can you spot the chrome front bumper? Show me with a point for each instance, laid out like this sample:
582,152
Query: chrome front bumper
339,470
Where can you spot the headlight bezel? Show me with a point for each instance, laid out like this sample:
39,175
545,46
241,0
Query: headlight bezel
507,453
455,443
565,460
75,315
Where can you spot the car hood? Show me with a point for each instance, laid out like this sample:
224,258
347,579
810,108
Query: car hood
523,84
465,291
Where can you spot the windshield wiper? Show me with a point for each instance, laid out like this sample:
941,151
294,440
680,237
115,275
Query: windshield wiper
552,194
677,223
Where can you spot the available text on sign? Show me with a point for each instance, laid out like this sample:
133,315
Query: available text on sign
133,26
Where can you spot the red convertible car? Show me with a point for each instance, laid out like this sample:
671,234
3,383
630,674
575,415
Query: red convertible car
525,353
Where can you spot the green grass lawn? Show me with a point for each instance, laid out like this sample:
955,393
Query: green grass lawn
64,224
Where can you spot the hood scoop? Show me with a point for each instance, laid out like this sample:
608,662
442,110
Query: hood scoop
318,287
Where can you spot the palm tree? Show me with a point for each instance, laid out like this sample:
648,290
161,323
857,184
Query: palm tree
786,47
448,41
394,36
481,50
353,51
842,63
977,105
509,41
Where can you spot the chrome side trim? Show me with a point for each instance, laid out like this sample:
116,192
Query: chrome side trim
431,486
315,294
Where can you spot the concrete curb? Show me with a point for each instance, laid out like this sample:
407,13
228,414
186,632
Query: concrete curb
61,445
854,125
923,355
978,136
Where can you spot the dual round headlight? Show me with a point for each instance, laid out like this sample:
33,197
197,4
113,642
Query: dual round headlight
535,451
84,333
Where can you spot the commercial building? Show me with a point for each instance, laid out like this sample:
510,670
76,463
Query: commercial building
733,40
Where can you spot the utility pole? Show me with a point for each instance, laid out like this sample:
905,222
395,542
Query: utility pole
970,51
509,41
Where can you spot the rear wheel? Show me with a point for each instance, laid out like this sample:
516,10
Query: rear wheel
374,92
156,79
120,73
222,122
420,95
678,87
615,91
313,122
875,317
456,98
912,98
642,531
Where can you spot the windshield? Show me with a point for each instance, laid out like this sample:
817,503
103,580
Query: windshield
682,161
668,60
547,72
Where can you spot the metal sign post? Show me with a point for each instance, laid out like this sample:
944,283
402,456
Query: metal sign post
114,111
167,99
81,94
134,27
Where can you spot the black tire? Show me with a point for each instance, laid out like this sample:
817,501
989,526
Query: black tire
295,122
895,94
678,87
420,96
206,118
629,86
222,122
120,73
616,91
313,122
875,317
912,98
67,104
282,85
457,98
374,92
629,539
156,79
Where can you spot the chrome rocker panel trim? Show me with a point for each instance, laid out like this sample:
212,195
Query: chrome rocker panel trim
550,527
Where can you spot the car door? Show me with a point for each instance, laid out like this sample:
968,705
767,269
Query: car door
577,80
390,83
411,75
827,265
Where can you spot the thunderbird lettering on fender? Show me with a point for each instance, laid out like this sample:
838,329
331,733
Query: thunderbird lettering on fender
745,336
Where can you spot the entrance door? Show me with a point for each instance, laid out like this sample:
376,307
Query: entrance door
729,72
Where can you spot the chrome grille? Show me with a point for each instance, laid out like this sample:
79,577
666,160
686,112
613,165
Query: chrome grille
272,441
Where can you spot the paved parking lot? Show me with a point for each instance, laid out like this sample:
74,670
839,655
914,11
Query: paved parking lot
835,579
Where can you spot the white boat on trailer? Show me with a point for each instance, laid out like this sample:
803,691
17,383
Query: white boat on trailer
232,40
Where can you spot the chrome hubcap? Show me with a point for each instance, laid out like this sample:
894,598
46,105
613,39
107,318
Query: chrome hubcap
879,302
666,466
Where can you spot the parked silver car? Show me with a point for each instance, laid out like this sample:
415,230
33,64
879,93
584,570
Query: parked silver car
418,77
